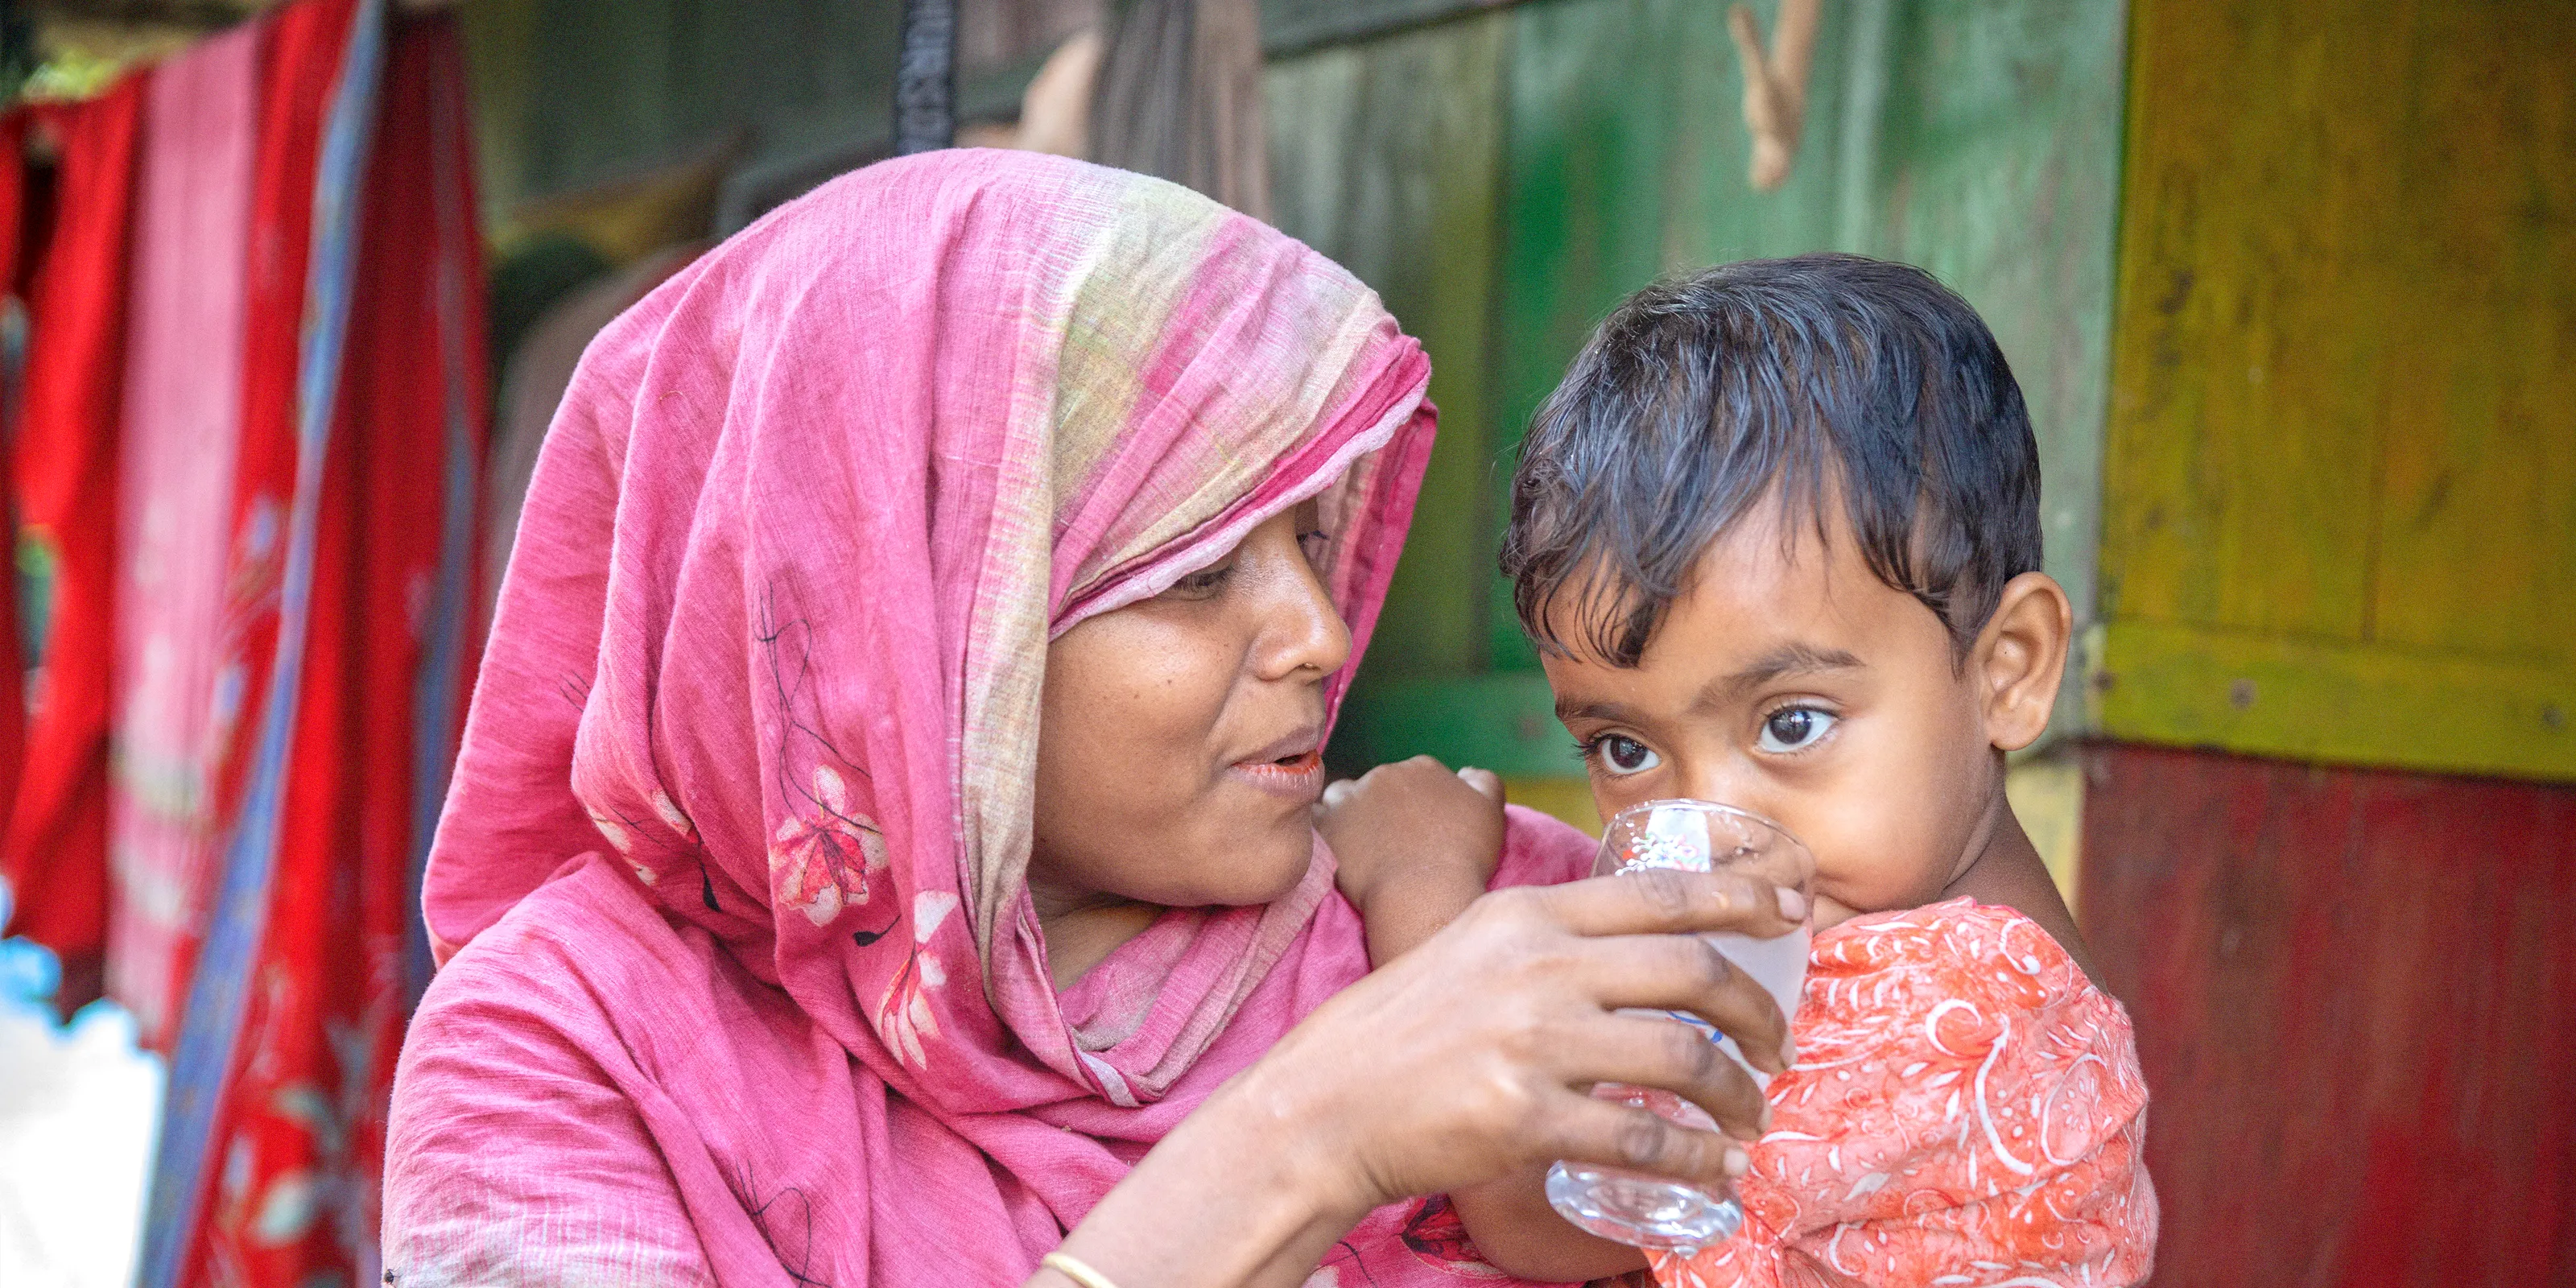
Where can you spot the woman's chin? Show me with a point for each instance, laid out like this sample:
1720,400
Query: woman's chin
1254,874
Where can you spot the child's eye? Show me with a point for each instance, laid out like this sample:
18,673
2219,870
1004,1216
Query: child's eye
1621,755
1793,729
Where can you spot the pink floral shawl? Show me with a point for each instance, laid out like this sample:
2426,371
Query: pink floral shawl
742,984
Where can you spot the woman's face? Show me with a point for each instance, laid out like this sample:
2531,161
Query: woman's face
1180,739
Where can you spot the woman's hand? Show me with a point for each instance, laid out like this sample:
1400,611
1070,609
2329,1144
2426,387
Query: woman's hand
1416,845
1467,1060
1473,1056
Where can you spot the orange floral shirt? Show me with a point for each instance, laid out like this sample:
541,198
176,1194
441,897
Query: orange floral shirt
1966,1109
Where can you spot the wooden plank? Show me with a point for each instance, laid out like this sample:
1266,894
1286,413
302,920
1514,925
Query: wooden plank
2355,998
2255,319
1588,153
2476,510
590,92
1622,155
1569,799
1290,27
2345,388
2335,703
502,78
1384,157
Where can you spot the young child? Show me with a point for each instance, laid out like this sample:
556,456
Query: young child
1777,535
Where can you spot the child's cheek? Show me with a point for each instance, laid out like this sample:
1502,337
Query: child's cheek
1872,858
1832,912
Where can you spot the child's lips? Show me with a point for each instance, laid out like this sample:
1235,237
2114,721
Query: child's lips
1299,777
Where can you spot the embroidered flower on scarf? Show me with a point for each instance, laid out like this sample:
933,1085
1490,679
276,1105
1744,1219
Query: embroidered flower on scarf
669,811
625,842
904,1017
821,866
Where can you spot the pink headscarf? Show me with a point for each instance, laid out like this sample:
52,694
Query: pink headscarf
754,990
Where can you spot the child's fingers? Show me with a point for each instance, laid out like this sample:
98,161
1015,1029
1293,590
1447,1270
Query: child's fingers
1483,780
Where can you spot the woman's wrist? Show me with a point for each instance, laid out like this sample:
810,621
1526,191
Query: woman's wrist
1252,1163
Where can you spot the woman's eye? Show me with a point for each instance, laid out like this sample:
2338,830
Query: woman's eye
1200,585
1623,755
1794,729
1314,544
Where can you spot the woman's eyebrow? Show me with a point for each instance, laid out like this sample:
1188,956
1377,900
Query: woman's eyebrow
1786,660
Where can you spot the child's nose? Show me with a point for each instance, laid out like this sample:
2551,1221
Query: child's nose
1730,784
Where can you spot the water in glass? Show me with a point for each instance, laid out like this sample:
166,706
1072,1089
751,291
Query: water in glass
1696,836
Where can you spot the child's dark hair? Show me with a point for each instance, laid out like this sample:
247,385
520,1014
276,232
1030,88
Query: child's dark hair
1818,375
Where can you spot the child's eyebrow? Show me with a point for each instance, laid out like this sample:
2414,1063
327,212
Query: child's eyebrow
1786,660
1568,713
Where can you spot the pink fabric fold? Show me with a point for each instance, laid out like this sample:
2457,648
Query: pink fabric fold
182,421
745,986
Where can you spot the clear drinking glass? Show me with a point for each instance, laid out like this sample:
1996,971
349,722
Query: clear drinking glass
1694,836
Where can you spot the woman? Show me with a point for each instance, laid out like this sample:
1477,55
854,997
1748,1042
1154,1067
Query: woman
881,844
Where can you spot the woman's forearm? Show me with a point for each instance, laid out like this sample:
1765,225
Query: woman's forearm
1238,1196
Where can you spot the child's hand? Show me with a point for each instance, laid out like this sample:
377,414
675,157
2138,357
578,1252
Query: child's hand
1416,845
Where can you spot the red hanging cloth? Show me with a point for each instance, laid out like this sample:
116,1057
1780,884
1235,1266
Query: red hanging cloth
54,849
195,1218
13,693
354,550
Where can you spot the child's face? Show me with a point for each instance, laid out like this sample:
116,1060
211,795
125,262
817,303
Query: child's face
1790,681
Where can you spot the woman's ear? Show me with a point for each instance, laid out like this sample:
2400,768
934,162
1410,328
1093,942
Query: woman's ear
2019,658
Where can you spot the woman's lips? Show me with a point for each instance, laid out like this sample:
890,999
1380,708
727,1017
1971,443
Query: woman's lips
1299,778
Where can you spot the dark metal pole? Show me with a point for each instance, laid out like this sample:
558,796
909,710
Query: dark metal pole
17,56
925,81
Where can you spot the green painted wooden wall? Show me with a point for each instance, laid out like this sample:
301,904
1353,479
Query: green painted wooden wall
2341,460
568,92
1506,177
1386,156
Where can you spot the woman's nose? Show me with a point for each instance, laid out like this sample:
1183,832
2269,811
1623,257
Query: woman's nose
1303,629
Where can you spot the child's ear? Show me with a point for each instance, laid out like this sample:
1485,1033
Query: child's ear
2019,658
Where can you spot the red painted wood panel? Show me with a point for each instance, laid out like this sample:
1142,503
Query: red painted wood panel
2355,994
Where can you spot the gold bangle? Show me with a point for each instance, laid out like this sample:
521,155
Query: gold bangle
1072,1268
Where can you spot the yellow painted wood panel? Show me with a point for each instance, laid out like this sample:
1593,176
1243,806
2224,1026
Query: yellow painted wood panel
1567,798
2047,795
2245,391
2476,533
2343,407
2355,704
